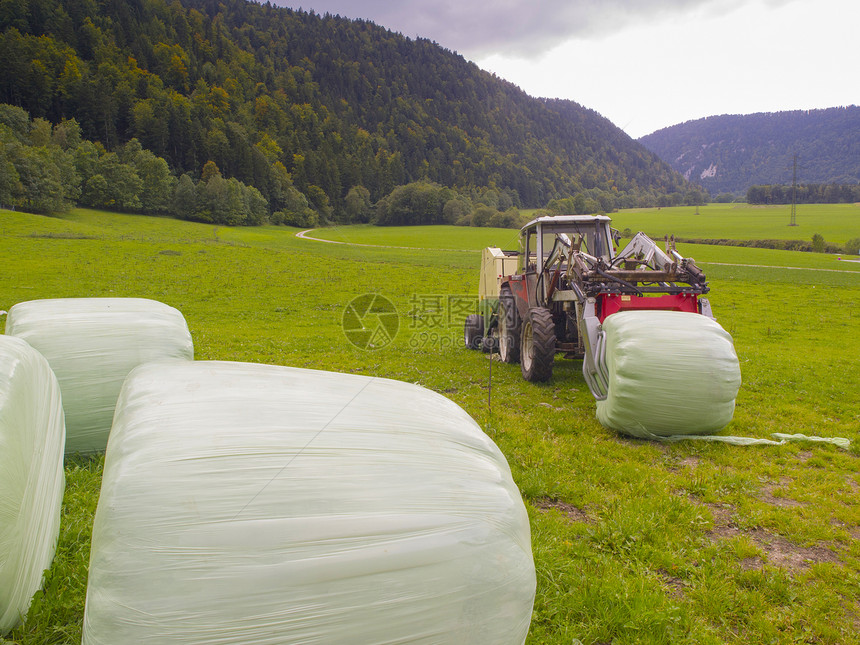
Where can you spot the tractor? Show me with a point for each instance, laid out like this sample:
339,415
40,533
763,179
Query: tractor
554,293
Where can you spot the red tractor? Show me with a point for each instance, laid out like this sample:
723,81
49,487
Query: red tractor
553,294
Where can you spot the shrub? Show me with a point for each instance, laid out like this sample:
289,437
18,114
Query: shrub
303,218
420,202
482,214
818,243
456,211
509,219
852,246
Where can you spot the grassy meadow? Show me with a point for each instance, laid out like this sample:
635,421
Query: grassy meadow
633,541
837,223
834,222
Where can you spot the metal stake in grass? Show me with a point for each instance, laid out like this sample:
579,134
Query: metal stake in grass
490,386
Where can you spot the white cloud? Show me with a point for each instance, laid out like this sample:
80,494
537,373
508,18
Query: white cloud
514,26
755,58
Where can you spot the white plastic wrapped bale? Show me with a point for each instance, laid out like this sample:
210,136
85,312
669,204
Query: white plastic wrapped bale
259,504
92,344
31,475
670,373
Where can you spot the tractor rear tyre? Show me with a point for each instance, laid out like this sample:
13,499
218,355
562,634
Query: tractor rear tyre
537,345
473,333
509,328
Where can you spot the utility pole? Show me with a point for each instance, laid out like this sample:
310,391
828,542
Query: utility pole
793,221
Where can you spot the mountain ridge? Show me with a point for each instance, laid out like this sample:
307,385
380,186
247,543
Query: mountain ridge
730,153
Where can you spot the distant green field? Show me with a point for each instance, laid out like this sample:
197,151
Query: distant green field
633,541
835,222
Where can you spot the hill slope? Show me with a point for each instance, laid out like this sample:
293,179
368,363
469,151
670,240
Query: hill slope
729,153
338,102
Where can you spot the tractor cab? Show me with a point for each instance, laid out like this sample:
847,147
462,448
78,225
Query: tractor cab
551,238
546,246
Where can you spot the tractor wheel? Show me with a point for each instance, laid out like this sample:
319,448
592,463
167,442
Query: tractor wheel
538,345
509,328
473,333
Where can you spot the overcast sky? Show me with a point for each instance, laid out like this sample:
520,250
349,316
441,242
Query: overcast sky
645,64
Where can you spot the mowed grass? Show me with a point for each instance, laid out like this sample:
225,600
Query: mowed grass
634,542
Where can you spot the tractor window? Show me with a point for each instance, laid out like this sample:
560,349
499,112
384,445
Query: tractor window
588,242
548,244
531,250
596,244
592,240
559,249
528,251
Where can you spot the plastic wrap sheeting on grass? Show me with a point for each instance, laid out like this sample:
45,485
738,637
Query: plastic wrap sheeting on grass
258,504
31,475
670,373
92,344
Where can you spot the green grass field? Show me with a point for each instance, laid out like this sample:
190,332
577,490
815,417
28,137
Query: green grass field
835,222
634,542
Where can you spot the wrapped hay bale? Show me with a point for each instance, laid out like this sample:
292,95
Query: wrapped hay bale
31,475
92,344
670,373
258,504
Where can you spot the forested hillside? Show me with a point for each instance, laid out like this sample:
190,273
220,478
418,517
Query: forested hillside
280,99
731,153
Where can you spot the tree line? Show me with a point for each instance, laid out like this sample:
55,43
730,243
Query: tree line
47,168
50,168
804,194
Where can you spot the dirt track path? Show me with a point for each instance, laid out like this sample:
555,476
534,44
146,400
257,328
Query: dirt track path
774,266
304,235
